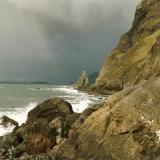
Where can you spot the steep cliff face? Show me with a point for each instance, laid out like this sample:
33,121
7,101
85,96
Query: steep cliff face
137,55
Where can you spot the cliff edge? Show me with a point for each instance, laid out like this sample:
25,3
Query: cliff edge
137,55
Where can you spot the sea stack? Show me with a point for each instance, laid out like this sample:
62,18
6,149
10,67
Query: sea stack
83,81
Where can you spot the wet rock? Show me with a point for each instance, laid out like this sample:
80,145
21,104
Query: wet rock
46,126
51,109
6,122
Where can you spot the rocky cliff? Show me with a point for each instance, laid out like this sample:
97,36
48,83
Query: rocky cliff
126,127
137,55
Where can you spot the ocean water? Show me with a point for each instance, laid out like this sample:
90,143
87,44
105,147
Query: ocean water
16,100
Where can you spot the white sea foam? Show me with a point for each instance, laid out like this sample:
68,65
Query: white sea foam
82,105
68,90
79,100
6,130
19,115
64,89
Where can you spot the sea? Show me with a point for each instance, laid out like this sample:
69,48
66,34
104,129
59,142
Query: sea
16,100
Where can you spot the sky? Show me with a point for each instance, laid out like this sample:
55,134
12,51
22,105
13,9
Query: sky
55,40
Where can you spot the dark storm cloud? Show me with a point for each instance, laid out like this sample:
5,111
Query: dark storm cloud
55,40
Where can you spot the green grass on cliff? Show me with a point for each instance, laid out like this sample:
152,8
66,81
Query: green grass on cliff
128,65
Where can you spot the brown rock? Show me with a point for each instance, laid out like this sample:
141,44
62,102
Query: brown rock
6,122
124,128
46,126
50,109
39,143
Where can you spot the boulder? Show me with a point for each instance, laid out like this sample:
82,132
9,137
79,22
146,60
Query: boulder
46,126
39,137
6,122
46,123
50,109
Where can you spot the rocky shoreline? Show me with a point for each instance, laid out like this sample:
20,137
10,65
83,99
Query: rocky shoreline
125,127
48,125
84,85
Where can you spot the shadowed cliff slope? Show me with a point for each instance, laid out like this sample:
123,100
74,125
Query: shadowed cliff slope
137,55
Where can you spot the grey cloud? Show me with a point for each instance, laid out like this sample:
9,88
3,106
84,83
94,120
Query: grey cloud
54,40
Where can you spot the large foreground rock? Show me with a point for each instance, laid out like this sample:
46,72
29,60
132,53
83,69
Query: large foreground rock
47,125
51,109
126,127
